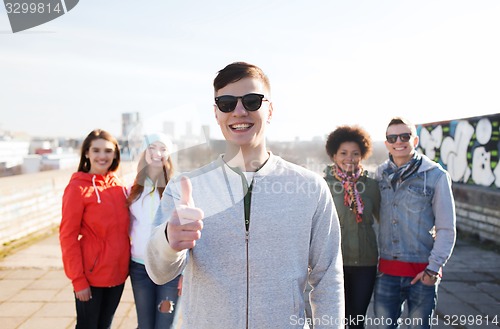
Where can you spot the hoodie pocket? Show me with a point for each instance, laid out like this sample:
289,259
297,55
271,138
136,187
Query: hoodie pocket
93,265
287,299
91,253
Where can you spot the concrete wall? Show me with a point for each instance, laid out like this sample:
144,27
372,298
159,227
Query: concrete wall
469,149
32,203
478,211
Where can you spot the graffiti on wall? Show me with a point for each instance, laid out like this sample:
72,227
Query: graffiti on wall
467,148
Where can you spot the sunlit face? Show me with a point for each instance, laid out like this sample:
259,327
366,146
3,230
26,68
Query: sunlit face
348,156
156,154
101,154
401,151
241,127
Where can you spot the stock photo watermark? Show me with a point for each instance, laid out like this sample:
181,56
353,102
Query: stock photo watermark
445,320
24,15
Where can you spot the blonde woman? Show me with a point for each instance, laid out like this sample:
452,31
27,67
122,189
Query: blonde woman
155,304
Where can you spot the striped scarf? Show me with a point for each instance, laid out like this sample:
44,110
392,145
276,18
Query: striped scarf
352,198
400,174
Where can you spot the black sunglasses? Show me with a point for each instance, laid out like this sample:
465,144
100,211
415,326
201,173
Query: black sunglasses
251,102
403,137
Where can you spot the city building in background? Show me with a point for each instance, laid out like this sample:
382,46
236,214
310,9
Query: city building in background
12,153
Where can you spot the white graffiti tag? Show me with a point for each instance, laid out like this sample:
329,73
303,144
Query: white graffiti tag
481,159
454,152
481,167
431,141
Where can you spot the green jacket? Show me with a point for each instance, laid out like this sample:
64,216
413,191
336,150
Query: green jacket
359,242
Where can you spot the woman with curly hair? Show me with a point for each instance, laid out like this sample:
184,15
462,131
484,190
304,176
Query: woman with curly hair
357,199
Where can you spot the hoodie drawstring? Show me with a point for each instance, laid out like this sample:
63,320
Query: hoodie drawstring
96,190
425,182
124,190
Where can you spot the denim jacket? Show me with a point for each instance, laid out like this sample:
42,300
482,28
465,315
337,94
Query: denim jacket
417,219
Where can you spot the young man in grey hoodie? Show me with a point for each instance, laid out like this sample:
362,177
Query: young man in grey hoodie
250,229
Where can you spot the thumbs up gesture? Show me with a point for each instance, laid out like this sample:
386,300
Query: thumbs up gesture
184,228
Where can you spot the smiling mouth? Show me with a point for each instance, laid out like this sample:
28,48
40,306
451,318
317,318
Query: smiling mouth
241,126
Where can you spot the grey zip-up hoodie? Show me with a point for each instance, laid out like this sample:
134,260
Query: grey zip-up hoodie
234,278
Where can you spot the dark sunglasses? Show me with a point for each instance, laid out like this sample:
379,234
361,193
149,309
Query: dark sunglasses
251,102
403,137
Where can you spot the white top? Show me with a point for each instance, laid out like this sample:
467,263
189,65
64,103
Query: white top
142,213
249,176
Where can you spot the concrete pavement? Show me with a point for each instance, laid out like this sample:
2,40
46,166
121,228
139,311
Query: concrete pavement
35,293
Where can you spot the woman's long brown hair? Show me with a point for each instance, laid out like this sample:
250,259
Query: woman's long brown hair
160,181
84,165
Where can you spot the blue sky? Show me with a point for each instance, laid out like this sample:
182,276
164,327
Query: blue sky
330,63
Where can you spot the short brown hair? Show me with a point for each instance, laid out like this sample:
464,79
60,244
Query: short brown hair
237,71
403,121
354,134
98,134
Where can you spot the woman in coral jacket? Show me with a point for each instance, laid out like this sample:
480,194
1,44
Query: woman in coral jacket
94,232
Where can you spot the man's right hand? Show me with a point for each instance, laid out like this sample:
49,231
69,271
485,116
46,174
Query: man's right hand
184,228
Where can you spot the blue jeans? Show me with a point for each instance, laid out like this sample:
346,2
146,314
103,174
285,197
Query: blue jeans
390,294
98,312
149,296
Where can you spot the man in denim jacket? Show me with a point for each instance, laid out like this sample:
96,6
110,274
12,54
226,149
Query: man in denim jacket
417,229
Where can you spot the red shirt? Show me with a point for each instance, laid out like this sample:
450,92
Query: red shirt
399,268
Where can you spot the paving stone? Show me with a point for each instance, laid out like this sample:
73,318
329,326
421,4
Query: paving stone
34,296
456,276
46,323
9,289
458,287
449,310
4,272
11,322
56,275
124,309
128,295
19,309
476,297
64,295
482,276
492,310
57,309
491,289
43,284
24,273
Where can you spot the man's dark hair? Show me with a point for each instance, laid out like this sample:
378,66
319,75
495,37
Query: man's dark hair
237,71
403,121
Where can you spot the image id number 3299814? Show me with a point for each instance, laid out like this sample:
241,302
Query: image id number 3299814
32,7
462,320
